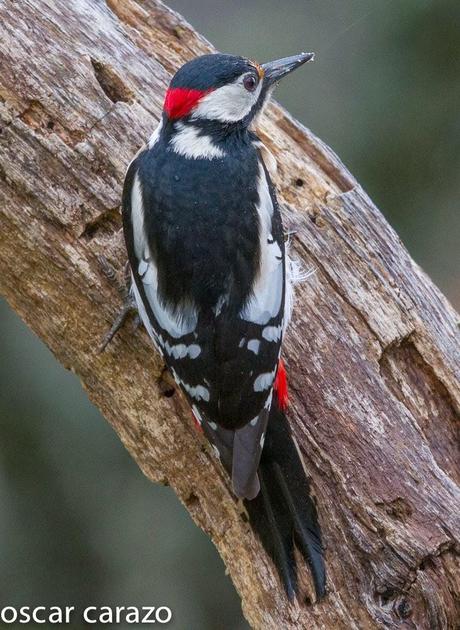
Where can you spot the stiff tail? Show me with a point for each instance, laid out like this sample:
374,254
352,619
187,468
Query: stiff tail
283,513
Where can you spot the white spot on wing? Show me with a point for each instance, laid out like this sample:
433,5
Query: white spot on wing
264,381
178,351
272,333
213,426
254,345
253,422
198,392
194,350
181,350
189,142
268,402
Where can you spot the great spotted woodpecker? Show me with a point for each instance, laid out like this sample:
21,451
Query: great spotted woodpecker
206,249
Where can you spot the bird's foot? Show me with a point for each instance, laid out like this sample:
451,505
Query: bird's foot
120,279
129,305
128,308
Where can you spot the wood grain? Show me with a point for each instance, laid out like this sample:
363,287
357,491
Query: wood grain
373,350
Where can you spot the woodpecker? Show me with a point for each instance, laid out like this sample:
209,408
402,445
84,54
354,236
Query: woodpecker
210,279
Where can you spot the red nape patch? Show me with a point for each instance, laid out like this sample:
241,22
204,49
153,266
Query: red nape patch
180,101
281,386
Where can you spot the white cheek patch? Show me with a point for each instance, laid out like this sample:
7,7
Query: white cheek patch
189,142
228,103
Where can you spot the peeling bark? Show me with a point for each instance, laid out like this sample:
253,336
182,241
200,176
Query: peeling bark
373,351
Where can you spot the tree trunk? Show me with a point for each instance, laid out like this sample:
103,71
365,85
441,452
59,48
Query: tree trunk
372,350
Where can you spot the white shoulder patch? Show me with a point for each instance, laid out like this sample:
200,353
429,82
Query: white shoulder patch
176,323
137,218
189,142
265,302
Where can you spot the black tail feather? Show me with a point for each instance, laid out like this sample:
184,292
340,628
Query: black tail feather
284,513
272,523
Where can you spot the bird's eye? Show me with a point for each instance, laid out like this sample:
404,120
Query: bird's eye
250,82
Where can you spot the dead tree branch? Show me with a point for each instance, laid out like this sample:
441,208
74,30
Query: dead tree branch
373,350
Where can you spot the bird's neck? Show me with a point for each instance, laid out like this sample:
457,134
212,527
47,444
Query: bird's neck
195,138
217,130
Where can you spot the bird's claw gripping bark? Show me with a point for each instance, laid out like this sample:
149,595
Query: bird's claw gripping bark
129,307
129,304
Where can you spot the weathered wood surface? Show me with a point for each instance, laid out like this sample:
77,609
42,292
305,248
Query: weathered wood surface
373,350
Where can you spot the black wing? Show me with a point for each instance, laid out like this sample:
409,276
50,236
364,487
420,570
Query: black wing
209,283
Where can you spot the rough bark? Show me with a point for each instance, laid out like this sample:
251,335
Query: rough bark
372,351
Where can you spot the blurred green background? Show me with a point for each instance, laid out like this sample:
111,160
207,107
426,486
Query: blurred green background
79,524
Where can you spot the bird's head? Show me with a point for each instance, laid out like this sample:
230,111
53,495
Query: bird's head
225,88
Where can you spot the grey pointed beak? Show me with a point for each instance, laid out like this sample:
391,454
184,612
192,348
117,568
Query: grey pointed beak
276,70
